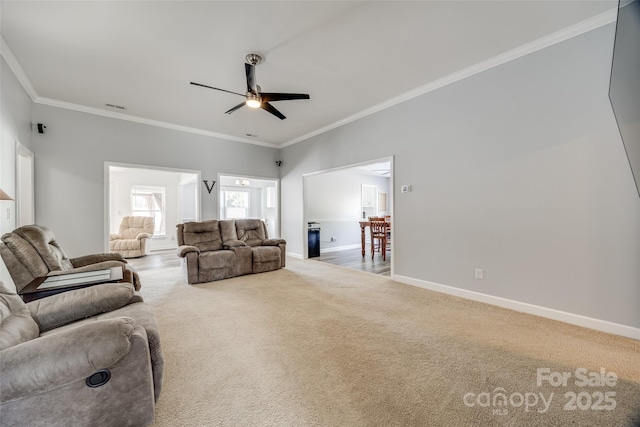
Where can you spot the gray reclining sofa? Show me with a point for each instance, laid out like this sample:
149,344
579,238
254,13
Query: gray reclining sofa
218,249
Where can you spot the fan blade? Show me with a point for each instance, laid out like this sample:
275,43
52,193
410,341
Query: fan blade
270,96
216,88
235,108
270,108
251,78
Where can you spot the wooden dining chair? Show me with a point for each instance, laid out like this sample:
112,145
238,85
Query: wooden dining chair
378,228
387,219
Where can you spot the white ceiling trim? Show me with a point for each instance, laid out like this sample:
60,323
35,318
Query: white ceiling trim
531,47
13,63
150,122
557,37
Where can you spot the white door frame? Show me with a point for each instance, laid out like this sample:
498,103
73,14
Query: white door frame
25,185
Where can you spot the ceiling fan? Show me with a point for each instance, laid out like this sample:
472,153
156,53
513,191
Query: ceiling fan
254,98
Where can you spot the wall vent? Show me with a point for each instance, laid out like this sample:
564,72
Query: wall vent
118,107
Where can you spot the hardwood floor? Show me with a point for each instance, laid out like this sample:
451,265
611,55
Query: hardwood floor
156,260
350,258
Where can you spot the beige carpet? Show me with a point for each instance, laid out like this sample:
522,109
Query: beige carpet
320,345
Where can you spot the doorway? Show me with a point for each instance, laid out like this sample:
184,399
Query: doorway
171,196
337,200
243,197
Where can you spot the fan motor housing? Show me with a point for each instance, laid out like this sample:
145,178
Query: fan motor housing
254,58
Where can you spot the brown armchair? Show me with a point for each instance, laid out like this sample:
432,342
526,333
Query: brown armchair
31,251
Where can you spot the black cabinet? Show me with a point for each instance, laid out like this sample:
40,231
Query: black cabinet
314,241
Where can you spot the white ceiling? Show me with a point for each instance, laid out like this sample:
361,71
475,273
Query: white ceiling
352,57
382,169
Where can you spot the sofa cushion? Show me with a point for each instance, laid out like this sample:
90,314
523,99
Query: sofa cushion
216,259
25,254
266,254
16,324
251,231
266,258
203,235
44,241
228,229
132,226
125,245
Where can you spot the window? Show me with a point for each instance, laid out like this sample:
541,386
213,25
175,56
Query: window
272,197
236,204
249,197
149,201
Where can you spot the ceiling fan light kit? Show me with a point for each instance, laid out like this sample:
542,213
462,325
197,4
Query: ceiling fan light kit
253,101
254,97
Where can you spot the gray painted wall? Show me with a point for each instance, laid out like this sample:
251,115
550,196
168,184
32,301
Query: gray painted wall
15,112
16,125
70,159
519,170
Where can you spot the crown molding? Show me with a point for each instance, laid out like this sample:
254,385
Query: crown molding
145,121
14,65
531,47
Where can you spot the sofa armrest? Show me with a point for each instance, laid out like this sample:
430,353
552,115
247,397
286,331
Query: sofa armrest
144,236
59,309
183,250
273,242
115,236
229,244
48,362
95,258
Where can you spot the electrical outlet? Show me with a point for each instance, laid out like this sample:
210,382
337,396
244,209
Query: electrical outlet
479,274
333,239
8,213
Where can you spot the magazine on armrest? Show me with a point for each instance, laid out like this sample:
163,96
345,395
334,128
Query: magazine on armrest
75,279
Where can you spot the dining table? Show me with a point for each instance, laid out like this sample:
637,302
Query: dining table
363,226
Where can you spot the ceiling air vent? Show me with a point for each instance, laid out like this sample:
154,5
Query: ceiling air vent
117,107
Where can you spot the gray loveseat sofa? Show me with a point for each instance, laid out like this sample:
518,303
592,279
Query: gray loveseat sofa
219,249
56,352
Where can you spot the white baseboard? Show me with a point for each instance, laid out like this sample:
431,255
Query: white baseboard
549,313
340,248
294,255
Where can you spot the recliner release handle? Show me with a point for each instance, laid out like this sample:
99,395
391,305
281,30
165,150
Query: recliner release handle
99,378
